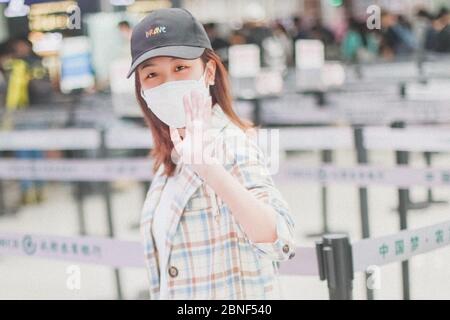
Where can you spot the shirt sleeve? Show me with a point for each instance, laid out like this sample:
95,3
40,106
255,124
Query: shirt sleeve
250,167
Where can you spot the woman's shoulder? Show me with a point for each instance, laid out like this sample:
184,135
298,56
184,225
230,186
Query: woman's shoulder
158,179
242,146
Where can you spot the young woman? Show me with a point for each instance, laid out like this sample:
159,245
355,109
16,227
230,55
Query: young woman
214,228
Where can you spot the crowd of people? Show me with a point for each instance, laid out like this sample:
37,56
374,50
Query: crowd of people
23,79
397,37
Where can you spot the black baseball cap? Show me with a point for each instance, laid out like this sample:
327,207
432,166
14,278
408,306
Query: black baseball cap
172,32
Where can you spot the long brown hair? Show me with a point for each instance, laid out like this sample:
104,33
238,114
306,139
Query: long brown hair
220,93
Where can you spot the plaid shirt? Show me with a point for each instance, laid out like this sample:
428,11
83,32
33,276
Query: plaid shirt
209,255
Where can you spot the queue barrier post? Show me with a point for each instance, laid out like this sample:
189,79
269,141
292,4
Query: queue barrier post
362,158
79,195
402,158
335,262
326,157
2,199
106,191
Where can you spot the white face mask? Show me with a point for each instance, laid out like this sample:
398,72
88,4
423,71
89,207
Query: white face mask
166,100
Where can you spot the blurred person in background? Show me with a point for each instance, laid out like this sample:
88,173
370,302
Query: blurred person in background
25,67
397,37
359,45
237,37
19,71
278,48
299,31
324,34
125,31
5,55
443,28
256,32
320,32
405,29
219,44
423,31
29,81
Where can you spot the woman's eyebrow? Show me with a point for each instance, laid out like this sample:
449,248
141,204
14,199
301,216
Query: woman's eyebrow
151,64
147,64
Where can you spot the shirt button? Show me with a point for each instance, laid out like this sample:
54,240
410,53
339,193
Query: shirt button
285,248
173,272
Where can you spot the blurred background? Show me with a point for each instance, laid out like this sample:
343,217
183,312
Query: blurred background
292,64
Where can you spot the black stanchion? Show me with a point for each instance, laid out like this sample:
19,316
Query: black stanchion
362,158
256,111
106,191
326,158
404,156
403,206
2,196
79,196
335,261
2,200
77,186
320,99
402,90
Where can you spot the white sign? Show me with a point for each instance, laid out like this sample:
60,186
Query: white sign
76,68
309,54
244,60
269,82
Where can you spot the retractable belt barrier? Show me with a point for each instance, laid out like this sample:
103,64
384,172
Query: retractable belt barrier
363,139
139,169
115,253
417,138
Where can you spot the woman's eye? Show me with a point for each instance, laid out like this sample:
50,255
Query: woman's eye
179,68
151,75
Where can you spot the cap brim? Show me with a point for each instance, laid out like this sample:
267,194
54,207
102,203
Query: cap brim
183,52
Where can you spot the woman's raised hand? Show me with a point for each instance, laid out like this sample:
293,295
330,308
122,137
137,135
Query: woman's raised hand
195,148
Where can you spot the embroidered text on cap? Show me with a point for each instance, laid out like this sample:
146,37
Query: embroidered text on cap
154,31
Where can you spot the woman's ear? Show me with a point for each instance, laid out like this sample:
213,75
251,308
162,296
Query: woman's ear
211,72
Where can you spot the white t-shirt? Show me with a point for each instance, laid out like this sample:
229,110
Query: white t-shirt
160,228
